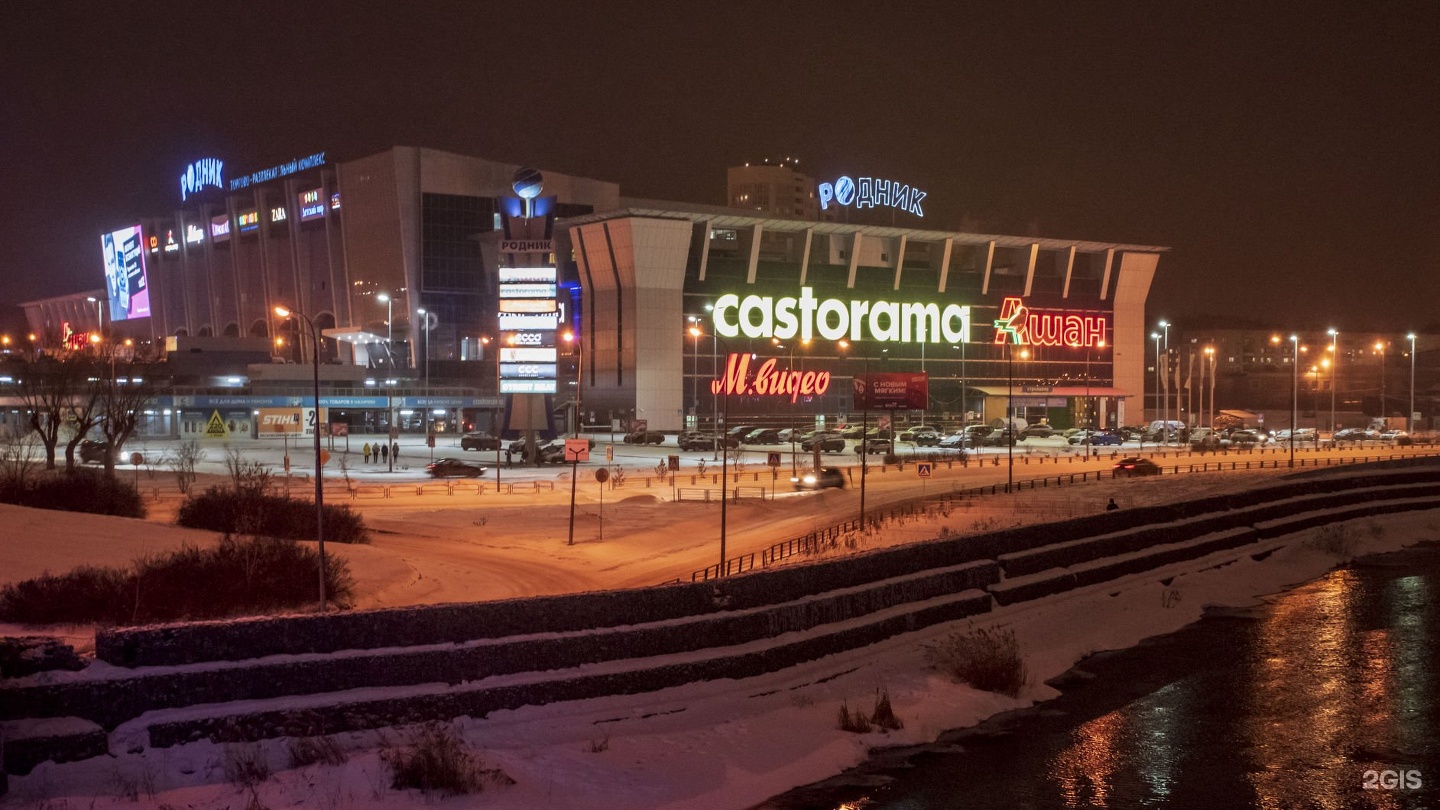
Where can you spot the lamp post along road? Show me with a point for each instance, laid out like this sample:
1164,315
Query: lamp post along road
319,462
1294,395
724,393
1410,414
1334,376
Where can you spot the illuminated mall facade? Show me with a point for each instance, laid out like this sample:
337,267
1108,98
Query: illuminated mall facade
397,259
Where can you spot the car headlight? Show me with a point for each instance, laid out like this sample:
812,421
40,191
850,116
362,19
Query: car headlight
809,479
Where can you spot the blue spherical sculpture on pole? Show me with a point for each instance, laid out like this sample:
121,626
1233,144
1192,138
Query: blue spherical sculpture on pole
528,183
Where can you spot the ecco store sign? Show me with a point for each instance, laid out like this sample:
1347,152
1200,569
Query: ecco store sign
872,192
756,316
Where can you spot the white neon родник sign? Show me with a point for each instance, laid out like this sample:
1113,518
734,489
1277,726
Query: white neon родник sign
757,316
872,192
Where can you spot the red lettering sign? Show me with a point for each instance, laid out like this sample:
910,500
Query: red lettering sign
769,380
1023,326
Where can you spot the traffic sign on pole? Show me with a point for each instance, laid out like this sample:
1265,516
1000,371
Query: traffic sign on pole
923,468
773,460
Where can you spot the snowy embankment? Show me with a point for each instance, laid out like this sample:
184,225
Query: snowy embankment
727,743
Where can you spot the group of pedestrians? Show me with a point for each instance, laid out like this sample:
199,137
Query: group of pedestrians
381,453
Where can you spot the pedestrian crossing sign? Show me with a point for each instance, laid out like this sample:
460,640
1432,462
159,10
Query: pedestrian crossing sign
923,468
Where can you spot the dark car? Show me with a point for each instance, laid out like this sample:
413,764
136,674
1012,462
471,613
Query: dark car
479,441
1135,466
453,468
762,436
873,445
692,440
908,434
93,452
738,433
999,437
853,431
1244,438
829,442
1037,432
827,477
645,437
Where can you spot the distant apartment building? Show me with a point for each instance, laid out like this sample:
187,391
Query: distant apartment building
774,187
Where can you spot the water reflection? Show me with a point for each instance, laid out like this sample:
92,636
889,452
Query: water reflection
1287,710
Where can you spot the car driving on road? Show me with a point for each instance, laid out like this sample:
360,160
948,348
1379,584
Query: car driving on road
825,478
453,468
1133,466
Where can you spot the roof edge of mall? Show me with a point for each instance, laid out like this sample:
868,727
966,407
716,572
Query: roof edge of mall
396,257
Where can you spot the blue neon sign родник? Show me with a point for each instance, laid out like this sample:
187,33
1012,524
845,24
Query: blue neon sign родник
870,192
203,172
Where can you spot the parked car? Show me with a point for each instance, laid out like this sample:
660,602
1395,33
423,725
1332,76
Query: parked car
738,433
1302,436
1356,435
825,478
873,446
1394,436
645,437
453,468
693,440
853,431
999,437
924,436
1245,438
479,441
762,436
1135,466
1037,432
908,434
958,440
788,435
93,452
828,440
1097,438
878,433
1204,438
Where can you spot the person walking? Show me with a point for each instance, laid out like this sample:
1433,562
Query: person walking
395,451
1111,506
366,451
384,453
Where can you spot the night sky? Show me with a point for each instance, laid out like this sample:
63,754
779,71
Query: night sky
1286,152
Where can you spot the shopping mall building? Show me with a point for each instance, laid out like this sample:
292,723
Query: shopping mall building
397,259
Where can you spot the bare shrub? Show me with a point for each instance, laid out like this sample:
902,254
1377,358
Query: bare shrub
601,745
438,760
986,658
1169,598
315,750
855,722
246,765
182,463
884,715
1338,541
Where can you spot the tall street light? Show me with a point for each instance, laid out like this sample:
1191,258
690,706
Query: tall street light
1156,337
1410,414
99,313
1334,375
1165,409
319,462
389,303
425,347
1209,361
1380,348
1295,395
724,453
574,340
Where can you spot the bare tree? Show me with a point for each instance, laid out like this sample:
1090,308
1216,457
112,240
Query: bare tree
18,458
48,388
182,462
124,391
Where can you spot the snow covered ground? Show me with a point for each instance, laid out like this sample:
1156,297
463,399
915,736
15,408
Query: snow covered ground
722,744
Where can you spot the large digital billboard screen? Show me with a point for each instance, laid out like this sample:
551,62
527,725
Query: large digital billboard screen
125,282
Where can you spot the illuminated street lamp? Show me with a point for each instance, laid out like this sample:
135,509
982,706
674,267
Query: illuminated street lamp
1165,406
1295,396
319,463
1380,348
1410,414
1209,361
724,453
574,340
1156,337
99,313
389,303
1334,373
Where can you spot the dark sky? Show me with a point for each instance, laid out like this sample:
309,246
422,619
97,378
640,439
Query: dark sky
1286,152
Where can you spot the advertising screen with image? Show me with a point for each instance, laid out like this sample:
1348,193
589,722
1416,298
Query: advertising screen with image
126,286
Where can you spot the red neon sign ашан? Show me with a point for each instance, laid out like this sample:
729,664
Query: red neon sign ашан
1023,326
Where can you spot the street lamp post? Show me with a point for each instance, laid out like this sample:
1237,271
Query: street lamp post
724,454
319,464
1410,414
1334,376
389,303
574,340
1156,337
1210,414
1165,407
1380,347
99,313
1294,395
425,348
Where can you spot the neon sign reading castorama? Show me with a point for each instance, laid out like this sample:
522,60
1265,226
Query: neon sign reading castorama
769,380
1023,326
872,192
757,316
